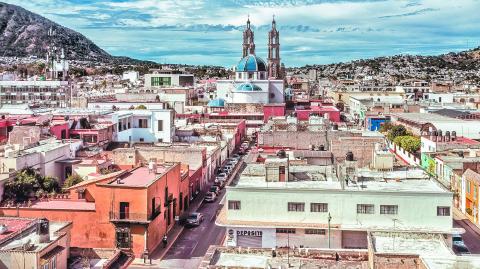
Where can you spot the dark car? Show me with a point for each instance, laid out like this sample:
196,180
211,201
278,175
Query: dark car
194,219
210,197
215,189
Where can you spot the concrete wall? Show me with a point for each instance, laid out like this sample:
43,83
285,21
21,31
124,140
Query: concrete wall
271,206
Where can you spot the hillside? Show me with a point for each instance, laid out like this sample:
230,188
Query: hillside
24,33
463,65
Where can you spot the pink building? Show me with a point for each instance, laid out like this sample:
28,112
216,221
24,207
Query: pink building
273,110
332,112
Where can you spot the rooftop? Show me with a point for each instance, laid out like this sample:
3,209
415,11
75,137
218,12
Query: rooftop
425,245
14,226
77,205
140,177
320,177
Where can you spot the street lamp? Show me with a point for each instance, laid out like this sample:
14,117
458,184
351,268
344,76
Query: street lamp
329,219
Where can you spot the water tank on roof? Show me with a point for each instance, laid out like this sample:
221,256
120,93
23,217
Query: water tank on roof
282,154
43,231
321,148
335,127
349,156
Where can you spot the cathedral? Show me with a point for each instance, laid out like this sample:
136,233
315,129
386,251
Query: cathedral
255,81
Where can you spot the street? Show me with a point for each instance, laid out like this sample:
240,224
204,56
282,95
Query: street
192,244
471,237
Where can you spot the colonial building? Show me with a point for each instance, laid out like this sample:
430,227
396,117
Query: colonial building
255,80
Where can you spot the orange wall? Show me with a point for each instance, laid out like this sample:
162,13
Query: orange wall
93,229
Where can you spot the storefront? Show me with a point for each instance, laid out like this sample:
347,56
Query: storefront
251,237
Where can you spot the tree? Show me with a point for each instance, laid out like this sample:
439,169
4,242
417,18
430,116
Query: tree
141,107
26,183
385,127
397,130
408,143
72,180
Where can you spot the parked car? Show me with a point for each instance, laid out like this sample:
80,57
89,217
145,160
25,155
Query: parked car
227,168
210,197
221,176
457,240
236,156
195,219
219,184
461,249
215,189
232,161
458,245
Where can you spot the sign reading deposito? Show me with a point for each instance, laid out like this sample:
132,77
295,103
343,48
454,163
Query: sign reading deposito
250,233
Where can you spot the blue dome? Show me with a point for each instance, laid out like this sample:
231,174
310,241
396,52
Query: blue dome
216,103
251,63
248,87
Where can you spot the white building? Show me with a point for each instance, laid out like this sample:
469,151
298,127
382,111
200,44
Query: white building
48,157
280,203
143,125
131,76
251,84
169,79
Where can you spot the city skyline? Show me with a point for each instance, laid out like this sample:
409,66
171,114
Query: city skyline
311,32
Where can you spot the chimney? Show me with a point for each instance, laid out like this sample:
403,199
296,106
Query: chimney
454,136
43,231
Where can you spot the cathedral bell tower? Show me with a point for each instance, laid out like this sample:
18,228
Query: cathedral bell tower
248,42
274,66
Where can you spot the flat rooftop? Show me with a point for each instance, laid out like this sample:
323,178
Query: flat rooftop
79,205
321,177
222,257
140,177
425,245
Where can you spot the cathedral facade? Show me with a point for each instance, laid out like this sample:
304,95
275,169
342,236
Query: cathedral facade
255,80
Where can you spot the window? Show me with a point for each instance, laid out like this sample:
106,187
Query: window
160,125
161,81
389,209
318,207
365,209
142,123
53,262
443,211
285,231
122,235
315,231
468,187
298,207
233,205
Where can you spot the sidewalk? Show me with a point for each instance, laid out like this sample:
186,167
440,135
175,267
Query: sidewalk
172,235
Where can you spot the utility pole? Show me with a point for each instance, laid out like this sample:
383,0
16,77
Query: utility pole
329,219
288,250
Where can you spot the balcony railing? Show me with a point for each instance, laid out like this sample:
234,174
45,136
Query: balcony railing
129,217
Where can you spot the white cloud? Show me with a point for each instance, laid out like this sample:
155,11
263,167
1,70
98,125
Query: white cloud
313,31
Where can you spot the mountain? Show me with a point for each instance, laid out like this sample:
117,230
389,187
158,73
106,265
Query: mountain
457,66
24,33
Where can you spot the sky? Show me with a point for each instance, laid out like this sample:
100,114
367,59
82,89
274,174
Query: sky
209,32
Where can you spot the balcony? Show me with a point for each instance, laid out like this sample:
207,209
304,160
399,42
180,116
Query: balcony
128,217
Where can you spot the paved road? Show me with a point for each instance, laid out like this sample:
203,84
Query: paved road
471,237
192,243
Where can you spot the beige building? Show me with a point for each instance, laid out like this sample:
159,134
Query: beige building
33,243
